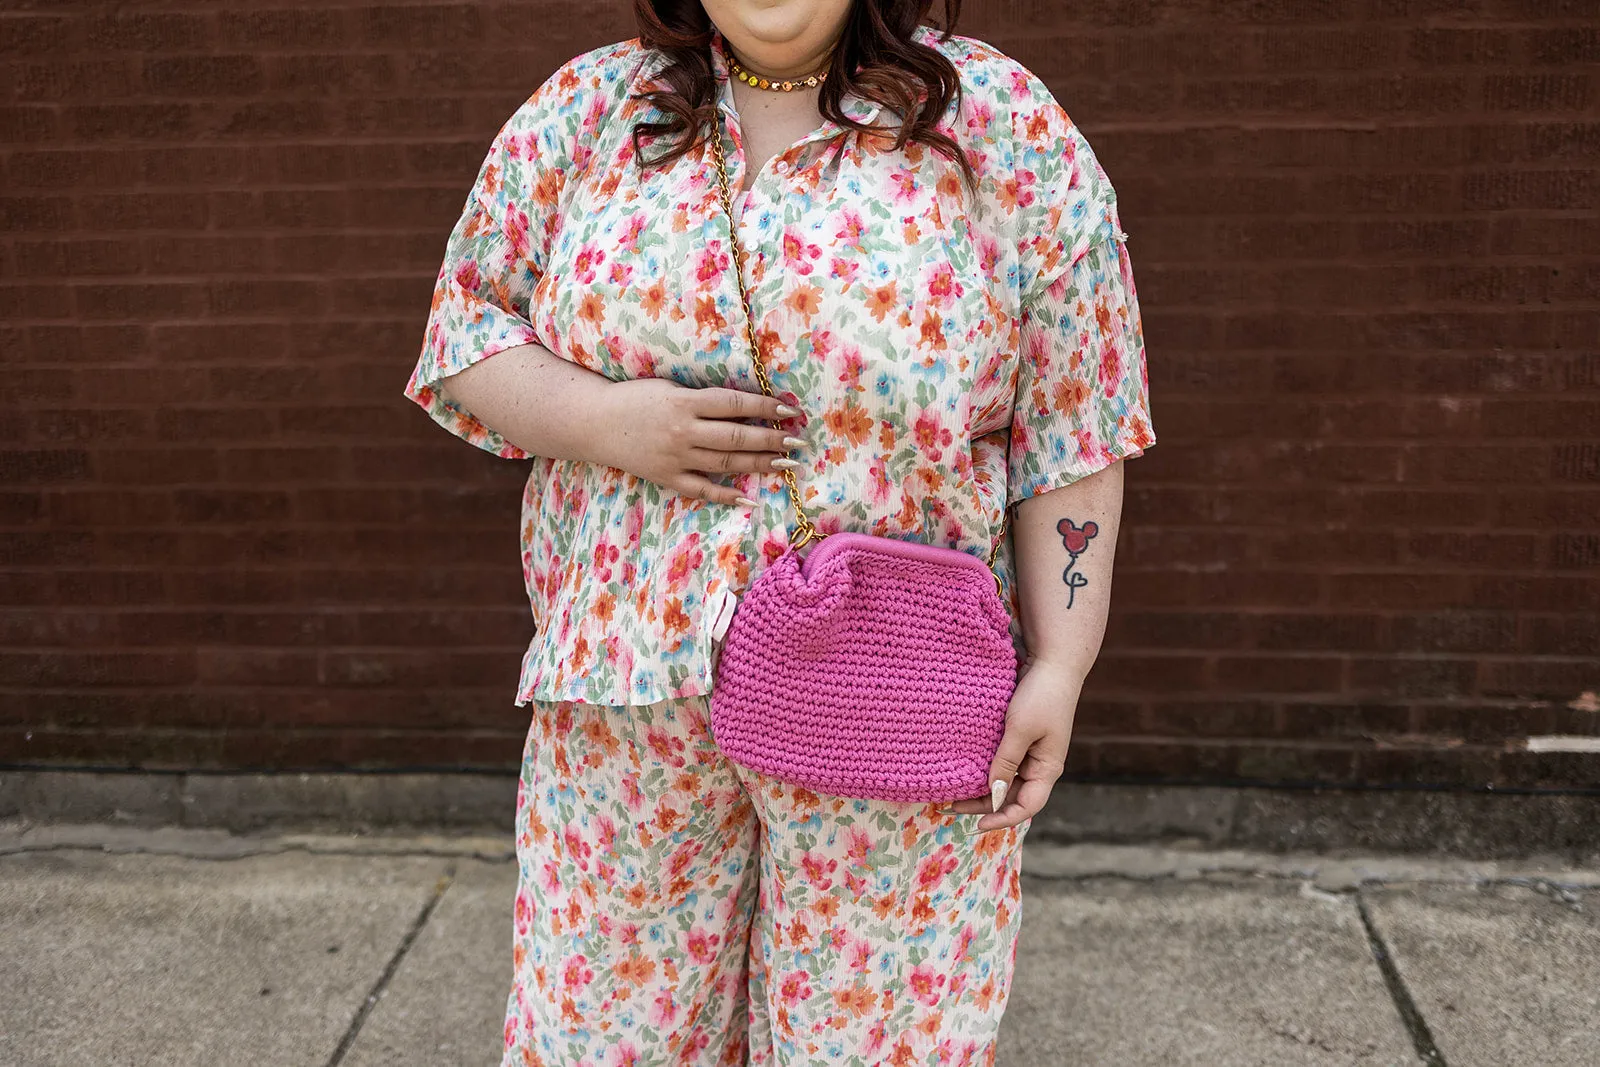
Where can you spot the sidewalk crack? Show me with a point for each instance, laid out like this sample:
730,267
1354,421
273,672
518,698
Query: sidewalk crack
446,880
1410,1014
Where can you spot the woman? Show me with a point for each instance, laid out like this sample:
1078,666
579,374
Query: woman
946,307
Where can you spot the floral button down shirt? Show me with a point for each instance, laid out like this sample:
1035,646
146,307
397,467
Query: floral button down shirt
952,354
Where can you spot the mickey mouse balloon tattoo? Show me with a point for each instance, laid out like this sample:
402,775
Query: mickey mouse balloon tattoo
1076,538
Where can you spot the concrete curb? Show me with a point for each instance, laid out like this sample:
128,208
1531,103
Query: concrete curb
1043,860
1562,828
245,802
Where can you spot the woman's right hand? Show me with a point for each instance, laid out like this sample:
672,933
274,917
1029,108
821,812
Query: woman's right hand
680,437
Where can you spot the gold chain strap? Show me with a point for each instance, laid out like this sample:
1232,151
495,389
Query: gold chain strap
804,530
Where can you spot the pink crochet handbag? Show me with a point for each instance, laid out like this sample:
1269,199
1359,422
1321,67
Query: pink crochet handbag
874,668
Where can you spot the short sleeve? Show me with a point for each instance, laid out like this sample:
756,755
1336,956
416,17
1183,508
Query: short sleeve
1082,392
1082,399
493,260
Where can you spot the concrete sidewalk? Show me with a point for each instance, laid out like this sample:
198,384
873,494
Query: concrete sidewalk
178,947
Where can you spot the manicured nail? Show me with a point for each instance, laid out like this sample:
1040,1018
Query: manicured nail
794,442
785,464
787,412
747,502
997,794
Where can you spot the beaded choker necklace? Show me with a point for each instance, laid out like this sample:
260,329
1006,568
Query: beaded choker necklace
810,81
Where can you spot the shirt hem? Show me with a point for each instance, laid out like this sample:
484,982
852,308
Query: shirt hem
1060,477
579,690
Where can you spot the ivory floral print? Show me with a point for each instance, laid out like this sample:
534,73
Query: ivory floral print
675,908
953,353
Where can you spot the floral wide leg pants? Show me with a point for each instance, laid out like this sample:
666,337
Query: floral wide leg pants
674,908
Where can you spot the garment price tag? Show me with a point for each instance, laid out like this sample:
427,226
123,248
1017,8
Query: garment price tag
719,612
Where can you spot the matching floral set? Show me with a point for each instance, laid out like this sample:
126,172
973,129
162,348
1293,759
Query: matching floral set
953,351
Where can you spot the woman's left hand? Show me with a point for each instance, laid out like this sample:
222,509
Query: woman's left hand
1033,750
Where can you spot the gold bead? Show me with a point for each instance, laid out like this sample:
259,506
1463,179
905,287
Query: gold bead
811,80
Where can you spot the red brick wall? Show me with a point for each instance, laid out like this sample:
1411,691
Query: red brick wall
1367,548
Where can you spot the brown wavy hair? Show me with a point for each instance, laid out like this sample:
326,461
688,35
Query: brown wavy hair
876,59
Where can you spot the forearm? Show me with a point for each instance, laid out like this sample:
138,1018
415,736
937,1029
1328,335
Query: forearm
543,404
1064,598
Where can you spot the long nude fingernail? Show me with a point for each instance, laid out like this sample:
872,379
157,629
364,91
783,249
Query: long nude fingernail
747,502
997,794
785,464
794,442
787,412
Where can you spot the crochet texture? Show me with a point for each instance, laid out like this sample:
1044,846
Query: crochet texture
868,673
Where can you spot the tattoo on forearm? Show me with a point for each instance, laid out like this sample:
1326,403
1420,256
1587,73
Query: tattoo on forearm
1076,538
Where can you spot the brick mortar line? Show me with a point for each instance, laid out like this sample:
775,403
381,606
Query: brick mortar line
1462,266
1148,218
1397,739
1262,123
1472,265
1072,32
276,60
